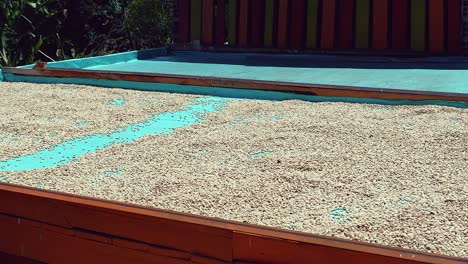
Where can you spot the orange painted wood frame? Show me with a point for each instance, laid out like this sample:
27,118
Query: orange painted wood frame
183,24
243,23
257,8
454,28
436,26
380,24
298,24
55,227
220,23
328,24
207,22
345,24
400,24
283,6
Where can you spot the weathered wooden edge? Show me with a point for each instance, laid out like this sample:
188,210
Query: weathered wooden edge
303,88
26,198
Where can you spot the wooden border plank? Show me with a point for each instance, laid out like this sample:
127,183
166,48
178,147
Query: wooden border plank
454,28
362,24
437,26
207,22
183,24
220,25
232,22
380,24
418,25
400,25
243,23
90,235
195,19
283,6
297,25
345,24
312,24
306,88
328,24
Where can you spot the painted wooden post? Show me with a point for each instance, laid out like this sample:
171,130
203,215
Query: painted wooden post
243,23
345,24
269,14
283,24
380,24
362,24
220,25
256,26
328,24
400,25
454,26
207,22
418,25
232,22
195,19
298,20
436,26
312,24
183,24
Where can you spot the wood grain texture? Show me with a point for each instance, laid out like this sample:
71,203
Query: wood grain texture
400,24
220,23
328,24
195,19
104,232
345,24
362,24
418,25
380,24
183,23
243,23
283,6
454,26
312,24
207,22
298,23
436,26
232,22
256,26
269,23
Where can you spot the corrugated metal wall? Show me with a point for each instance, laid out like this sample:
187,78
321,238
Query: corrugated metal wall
400,25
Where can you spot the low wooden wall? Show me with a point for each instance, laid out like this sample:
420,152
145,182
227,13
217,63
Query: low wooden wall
419,26
53,227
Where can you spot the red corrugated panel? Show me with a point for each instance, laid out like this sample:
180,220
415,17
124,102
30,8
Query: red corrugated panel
345,24
283,24
436,26
400,24
220,25
380,24
454,22
243,23
207,22
328,24
256,25
298,21
183,35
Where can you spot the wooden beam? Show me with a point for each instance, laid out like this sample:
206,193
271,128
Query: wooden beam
380,24
437,26
328,24
454,26
62,228
362,24
283,6
305,88
207,22
312,24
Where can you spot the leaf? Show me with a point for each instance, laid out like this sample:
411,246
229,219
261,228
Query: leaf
38,44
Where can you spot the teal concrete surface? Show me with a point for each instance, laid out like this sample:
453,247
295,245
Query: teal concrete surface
221,92
71,150
434,76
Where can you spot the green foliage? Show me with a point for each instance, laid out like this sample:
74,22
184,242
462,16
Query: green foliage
25,26
149,22
63,29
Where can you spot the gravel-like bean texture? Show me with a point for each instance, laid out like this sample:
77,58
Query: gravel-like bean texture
394,175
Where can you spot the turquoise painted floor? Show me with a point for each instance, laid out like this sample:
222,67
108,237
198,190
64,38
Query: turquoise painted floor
430,75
